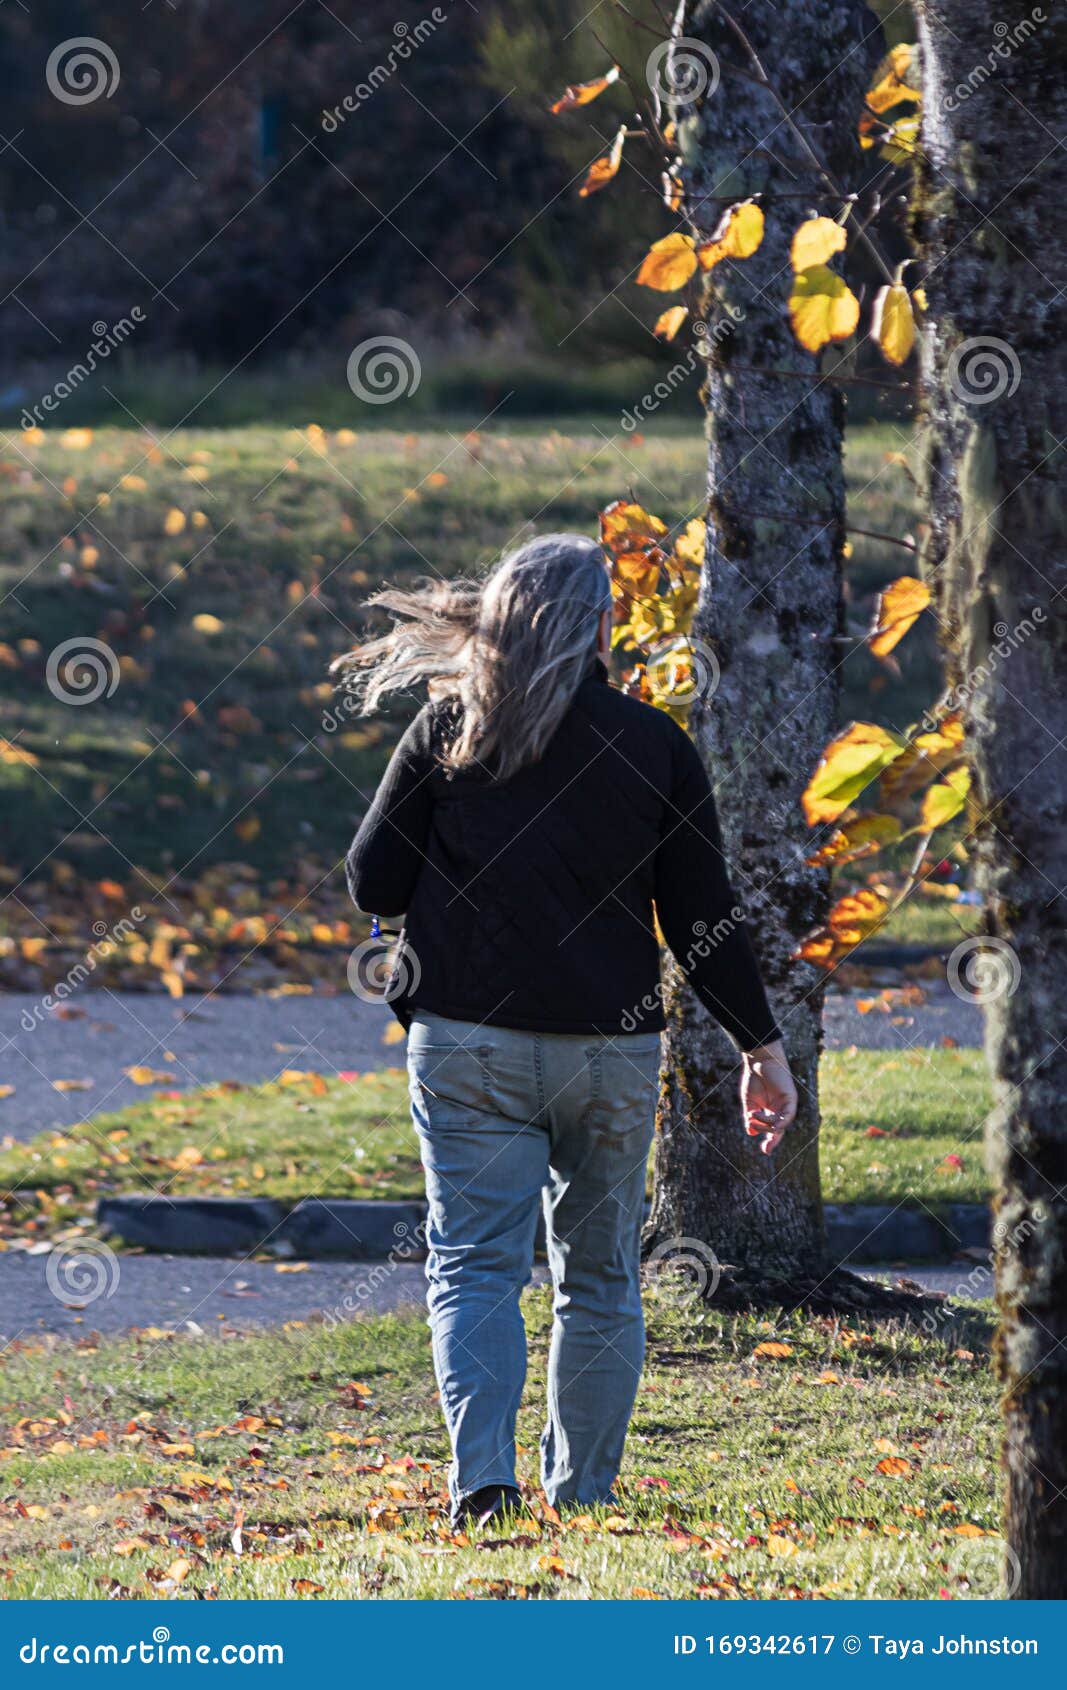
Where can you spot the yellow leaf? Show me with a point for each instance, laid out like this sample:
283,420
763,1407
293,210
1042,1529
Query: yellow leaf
188,1157
893,323
899,607
668,324
602,170
394,1034
822,308
248,828
690,544
780,1545
889,88
174,521
945,800
205,623
77,439
816,241
581,93
142,1076
668,264
774,1350
849,762
900,142
738,235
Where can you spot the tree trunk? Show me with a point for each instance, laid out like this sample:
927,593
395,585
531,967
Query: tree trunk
770,609
989,219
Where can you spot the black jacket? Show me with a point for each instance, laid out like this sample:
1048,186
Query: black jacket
529,902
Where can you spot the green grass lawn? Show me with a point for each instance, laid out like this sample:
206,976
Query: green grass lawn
216,745
897,1127
846,1461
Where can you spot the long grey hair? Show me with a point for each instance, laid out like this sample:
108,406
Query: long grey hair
511,648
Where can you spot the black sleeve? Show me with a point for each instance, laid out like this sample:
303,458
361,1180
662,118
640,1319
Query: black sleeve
390,847
700,917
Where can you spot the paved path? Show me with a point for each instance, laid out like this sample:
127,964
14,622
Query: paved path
190,1293
253,1038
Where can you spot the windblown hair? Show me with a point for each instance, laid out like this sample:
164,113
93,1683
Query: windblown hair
511,649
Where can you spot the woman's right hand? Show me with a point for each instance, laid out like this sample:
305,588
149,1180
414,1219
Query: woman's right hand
768,1095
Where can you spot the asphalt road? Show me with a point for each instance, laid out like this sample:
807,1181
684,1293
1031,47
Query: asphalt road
205,1294
252,1038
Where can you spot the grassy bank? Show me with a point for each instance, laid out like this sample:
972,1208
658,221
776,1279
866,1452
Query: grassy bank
896,1128
797,1459
200,802
225,569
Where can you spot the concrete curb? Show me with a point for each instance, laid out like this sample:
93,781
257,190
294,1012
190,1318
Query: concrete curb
377,1229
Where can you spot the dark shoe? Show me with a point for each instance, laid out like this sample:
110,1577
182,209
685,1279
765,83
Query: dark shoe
481,1506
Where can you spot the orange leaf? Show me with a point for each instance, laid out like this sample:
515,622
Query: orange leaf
668,264
899,607
671,320
582,93
604,169
738,236
896,1466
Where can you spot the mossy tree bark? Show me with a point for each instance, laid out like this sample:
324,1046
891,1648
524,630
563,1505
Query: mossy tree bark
994,362
770,607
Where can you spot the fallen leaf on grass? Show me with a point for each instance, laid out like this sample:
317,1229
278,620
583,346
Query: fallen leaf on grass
895,1466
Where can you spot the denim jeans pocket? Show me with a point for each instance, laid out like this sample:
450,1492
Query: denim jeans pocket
453,1079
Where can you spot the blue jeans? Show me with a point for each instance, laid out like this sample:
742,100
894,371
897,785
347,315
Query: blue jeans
505,1119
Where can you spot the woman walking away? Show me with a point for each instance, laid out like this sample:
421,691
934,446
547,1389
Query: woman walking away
532,824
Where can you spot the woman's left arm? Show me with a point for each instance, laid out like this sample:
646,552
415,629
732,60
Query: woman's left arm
389,849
